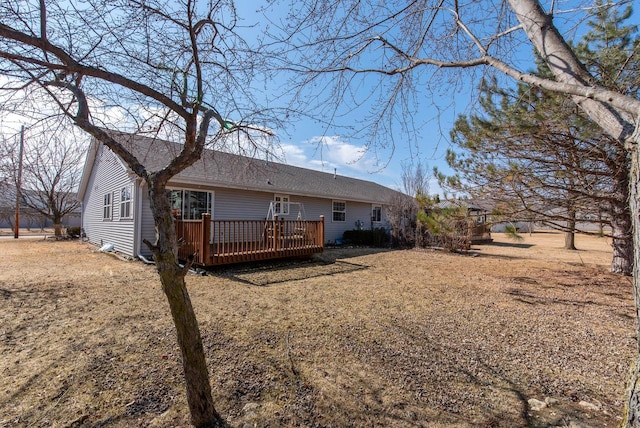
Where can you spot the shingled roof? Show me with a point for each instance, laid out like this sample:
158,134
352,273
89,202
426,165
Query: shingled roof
221,169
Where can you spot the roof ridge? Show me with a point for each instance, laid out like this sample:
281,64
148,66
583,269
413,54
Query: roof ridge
244,172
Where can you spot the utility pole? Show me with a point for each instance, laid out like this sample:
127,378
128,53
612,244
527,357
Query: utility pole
16,227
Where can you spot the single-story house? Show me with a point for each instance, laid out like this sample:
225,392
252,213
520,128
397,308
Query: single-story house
520,226
237,194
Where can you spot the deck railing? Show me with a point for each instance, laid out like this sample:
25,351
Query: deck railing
479,232
214,242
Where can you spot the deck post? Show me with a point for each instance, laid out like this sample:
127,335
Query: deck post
204,239
321,232
276,233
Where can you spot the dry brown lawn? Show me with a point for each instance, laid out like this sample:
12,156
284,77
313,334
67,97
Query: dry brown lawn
376,338
23,231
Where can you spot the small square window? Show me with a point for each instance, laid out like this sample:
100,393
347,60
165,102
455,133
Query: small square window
281,205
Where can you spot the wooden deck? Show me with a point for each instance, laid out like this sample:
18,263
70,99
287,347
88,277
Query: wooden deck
479,233
217,242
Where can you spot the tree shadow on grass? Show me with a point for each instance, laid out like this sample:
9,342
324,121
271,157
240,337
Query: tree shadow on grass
315,393
509,244
534,292
332,261
18,394
332,254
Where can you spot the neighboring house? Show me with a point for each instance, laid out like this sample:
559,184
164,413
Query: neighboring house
520,226
595,220
477,212
228,187
29,218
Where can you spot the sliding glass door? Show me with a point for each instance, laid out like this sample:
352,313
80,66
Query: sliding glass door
190,204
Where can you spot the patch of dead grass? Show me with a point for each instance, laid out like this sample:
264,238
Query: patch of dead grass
381,338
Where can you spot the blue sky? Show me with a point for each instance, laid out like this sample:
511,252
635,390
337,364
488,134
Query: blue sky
347,154
310,144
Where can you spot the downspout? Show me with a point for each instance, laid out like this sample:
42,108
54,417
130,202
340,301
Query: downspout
138,219
82,234
145,260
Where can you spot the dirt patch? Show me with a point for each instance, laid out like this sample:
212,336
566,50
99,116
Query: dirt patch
356,337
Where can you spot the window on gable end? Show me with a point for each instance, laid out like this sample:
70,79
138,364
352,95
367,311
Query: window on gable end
126,202
107,206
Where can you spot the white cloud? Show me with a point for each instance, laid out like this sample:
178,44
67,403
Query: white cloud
294,155
329,153
334,150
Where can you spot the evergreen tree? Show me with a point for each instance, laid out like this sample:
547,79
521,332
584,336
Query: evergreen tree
534,151
611,49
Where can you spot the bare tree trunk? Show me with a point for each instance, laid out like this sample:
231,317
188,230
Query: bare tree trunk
621,227
566,67
57,225
622,261
622,241
172,277
570,235
614,118
632,411
569,241
199,397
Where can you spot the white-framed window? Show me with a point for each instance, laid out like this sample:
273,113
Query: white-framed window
339,211
107,206
126,202
376,214
281,204
190,204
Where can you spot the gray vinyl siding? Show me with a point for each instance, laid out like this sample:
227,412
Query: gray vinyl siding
246,205
384,221
108,176
232,204
355,211
229,204
316,207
